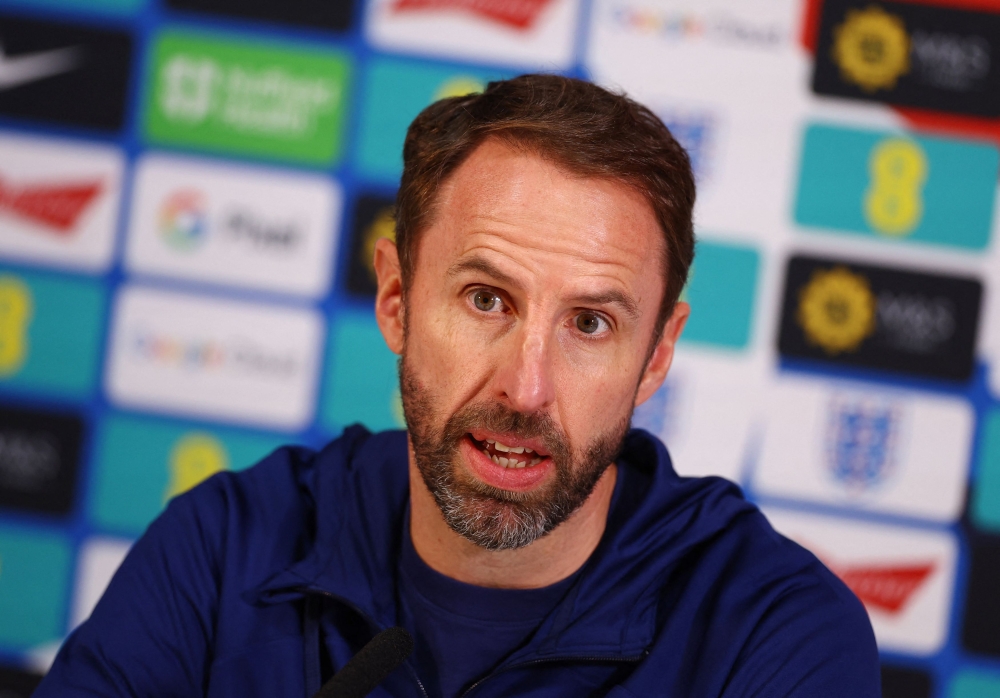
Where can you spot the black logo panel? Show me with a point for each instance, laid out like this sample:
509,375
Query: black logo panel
333,15
875,317
39,456
373,219
63,73
900,682
982,603
909,54
17,683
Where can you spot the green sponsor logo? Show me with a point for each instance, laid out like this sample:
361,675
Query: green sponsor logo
241,97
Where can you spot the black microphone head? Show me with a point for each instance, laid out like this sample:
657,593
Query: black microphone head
366,670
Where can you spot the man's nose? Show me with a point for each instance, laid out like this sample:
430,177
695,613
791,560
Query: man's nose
525,378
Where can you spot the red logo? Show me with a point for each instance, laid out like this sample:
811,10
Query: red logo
885,587
57,207
518,14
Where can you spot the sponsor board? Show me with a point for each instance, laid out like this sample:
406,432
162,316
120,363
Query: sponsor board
98,560
39,459
917,55
241,226
141,462
973,683
252,98
846,444
744,52
395,92
374,218
984,505
34,576
59,201
332,15
704,396
877,317
537,33
721,289
894,186
63,73
982,612
903,576
214,358
739,95
904,682
362,382
50,332
15,682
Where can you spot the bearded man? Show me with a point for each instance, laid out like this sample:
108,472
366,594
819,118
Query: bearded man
528,541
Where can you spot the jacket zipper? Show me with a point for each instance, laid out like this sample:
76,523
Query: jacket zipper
372,624
569,658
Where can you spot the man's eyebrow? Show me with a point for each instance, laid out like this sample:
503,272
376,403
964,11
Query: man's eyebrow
481,265
609,297
612,297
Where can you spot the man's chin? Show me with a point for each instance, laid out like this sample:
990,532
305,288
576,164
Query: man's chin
509,478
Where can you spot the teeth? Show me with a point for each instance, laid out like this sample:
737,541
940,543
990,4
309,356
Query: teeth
536,461
495,460
501,447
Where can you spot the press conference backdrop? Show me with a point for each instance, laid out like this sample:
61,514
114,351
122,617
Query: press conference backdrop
190,192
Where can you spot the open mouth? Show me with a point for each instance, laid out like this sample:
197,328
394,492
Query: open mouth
508,456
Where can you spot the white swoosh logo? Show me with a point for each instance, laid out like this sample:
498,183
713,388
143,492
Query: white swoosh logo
32,67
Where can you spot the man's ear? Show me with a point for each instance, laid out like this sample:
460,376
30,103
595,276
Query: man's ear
389,297
663,354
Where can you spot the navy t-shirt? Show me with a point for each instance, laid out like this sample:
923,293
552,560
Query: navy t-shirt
461,631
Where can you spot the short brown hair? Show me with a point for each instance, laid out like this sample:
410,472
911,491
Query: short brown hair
584,128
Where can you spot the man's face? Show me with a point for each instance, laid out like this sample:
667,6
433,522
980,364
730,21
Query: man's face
528,322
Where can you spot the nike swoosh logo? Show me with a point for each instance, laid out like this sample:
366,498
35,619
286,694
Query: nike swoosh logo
32,67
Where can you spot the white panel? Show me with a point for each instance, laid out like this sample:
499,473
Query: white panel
213,358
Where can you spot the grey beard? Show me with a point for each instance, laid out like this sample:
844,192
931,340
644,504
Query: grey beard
493,518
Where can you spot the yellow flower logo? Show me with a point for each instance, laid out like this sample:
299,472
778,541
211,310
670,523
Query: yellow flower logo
872,49
836,310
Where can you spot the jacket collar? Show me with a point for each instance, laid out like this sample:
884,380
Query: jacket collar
359,485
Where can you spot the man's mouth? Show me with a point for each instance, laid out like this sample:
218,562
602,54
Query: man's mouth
508,456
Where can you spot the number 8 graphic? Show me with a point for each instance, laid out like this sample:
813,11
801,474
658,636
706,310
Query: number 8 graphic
15,315
894,204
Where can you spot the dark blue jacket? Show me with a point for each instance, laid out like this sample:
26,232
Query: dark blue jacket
690,593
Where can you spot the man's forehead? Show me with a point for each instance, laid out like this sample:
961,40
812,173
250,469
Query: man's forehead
506,196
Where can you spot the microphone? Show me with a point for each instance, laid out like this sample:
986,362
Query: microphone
370,665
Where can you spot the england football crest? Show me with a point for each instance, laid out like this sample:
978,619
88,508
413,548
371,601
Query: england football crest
861,436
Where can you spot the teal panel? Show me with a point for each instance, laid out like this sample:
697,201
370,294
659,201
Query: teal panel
395,92
897,187
985,507
362,383
50,332
108,7
34,586
141,462
970,684
721,289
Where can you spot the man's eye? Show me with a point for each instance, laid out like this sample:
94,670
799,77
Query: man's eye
591,323
487,301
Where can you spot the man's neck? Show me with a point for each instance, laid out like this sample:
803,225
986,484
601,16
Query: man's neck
546,561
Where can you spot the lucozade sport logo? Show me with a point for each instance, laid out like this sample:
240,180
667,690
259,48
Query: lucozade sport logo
234,96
